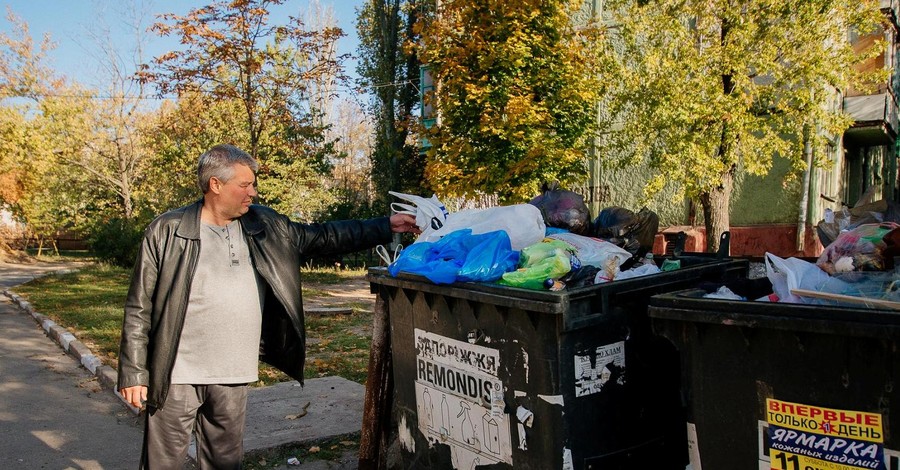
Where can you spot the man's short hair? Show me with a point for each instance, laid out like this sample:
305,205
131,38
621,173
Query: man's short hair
219,161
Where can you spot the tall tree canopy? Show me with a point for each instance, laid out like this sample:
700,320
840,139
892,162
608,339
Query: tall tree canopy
390,70
516,95
233,53
705,88
43,121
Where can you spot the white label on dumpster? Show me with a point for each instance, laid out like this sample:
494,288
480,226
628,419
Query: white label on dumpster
455,384
594,370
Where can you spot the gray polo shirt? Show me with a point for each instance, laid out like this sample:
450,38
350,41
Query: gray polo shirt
220,340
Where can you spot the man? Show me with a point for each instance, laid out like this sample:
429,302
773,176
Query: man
216,288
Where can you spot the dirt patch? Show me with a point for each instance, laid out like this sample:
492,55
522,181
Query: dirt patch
353,292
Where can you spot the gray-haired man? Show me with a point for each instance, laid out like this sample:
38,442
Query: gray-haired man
216,288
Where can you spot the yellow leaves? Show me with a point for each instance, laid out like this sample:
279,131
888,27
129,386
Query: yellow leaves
514,90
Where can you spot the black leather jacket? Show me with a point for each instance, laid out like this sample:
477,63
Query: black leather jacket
161,284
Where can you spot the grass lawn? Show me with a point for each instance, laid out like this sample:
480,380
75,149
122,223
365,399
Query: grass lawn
89,304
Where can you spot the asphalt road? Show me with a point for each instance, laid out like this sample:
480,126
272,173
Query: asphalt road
53,412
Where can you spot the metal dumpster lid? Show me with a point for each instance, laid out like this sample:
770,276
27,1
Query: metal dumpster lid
494,294
690,306
543,301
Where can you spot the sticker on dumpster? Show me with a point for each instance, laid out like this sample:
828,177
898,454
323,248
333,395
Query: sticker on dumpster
457,395
599,367
805,436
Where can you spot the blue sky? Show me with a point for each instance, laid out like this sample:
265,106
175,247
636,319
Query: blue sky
69,23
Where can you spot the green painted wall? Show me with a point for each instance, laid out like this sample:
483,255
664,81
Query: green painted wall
755,201
766,200
625,188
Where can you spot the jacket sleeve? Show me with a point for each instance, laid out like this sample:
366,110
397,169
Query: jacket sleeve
339,237
133,353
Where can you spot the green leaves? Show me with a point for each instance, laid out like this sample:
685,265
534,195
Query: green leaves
702,89
705,87
516,97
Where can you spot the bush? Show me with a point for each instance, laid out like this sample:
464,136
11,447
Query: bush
117,241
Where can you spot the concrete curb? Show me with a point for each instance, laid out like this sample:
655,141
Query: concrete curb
106,375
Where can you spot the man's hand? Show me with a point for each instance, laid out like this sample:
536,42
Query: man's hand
402,223
135,396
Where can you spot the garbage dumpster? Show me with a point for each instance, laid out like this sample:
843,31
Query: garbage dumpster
485,375
785,386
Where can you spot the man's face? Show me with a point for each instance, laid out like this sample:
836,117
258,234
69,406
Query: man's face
237,194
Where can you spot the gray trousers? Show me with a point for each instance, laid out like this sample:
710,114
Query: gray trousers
215,413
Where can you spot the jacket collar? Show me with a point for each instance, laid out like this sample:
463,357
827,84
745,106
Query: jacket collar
190,221
251,221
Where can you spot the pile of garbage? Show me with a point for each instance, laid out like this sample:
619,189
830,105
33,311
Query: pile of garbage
549,243
857,268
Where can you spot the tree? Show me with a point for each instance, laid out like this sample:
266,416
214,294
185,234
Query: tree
113,153
77,156
516,96
706,88
391,71
176,135
39,192
351,179
234,54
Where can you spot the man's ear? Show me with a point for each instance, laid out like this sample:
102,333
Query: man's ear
215,185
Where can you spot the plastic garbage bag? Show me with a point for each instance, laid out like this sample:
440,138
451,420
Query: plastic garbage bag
795,273
723,293
866,211
593,251
634,232
459,256
550,259
562,208
489,258
858,249
637,271
430,213
577,277
425,259
522,222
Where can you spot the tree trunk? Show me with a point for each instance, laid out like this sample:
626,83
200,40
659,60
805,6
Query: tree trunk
716,202
715,210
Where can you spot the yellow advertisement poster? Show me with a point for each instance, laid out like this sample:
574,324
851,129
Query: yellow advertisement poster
804,437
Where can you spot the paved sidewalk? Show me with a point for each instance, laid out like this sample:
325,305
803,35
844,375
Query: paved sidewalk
55,414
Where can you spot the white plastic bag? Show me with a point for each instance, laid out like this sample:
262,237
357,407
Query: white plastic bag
594,251
638,271
430,213
723,293
522,222
794,273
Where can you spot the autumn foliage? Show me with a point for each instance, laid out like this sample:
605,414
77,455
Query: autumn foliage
516,96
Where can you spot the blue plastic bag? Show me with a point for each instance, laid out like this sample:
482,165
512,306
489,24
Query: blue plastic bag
484,257
489,259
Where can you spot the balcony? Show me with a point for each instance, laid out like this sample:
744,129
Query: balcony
875,119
